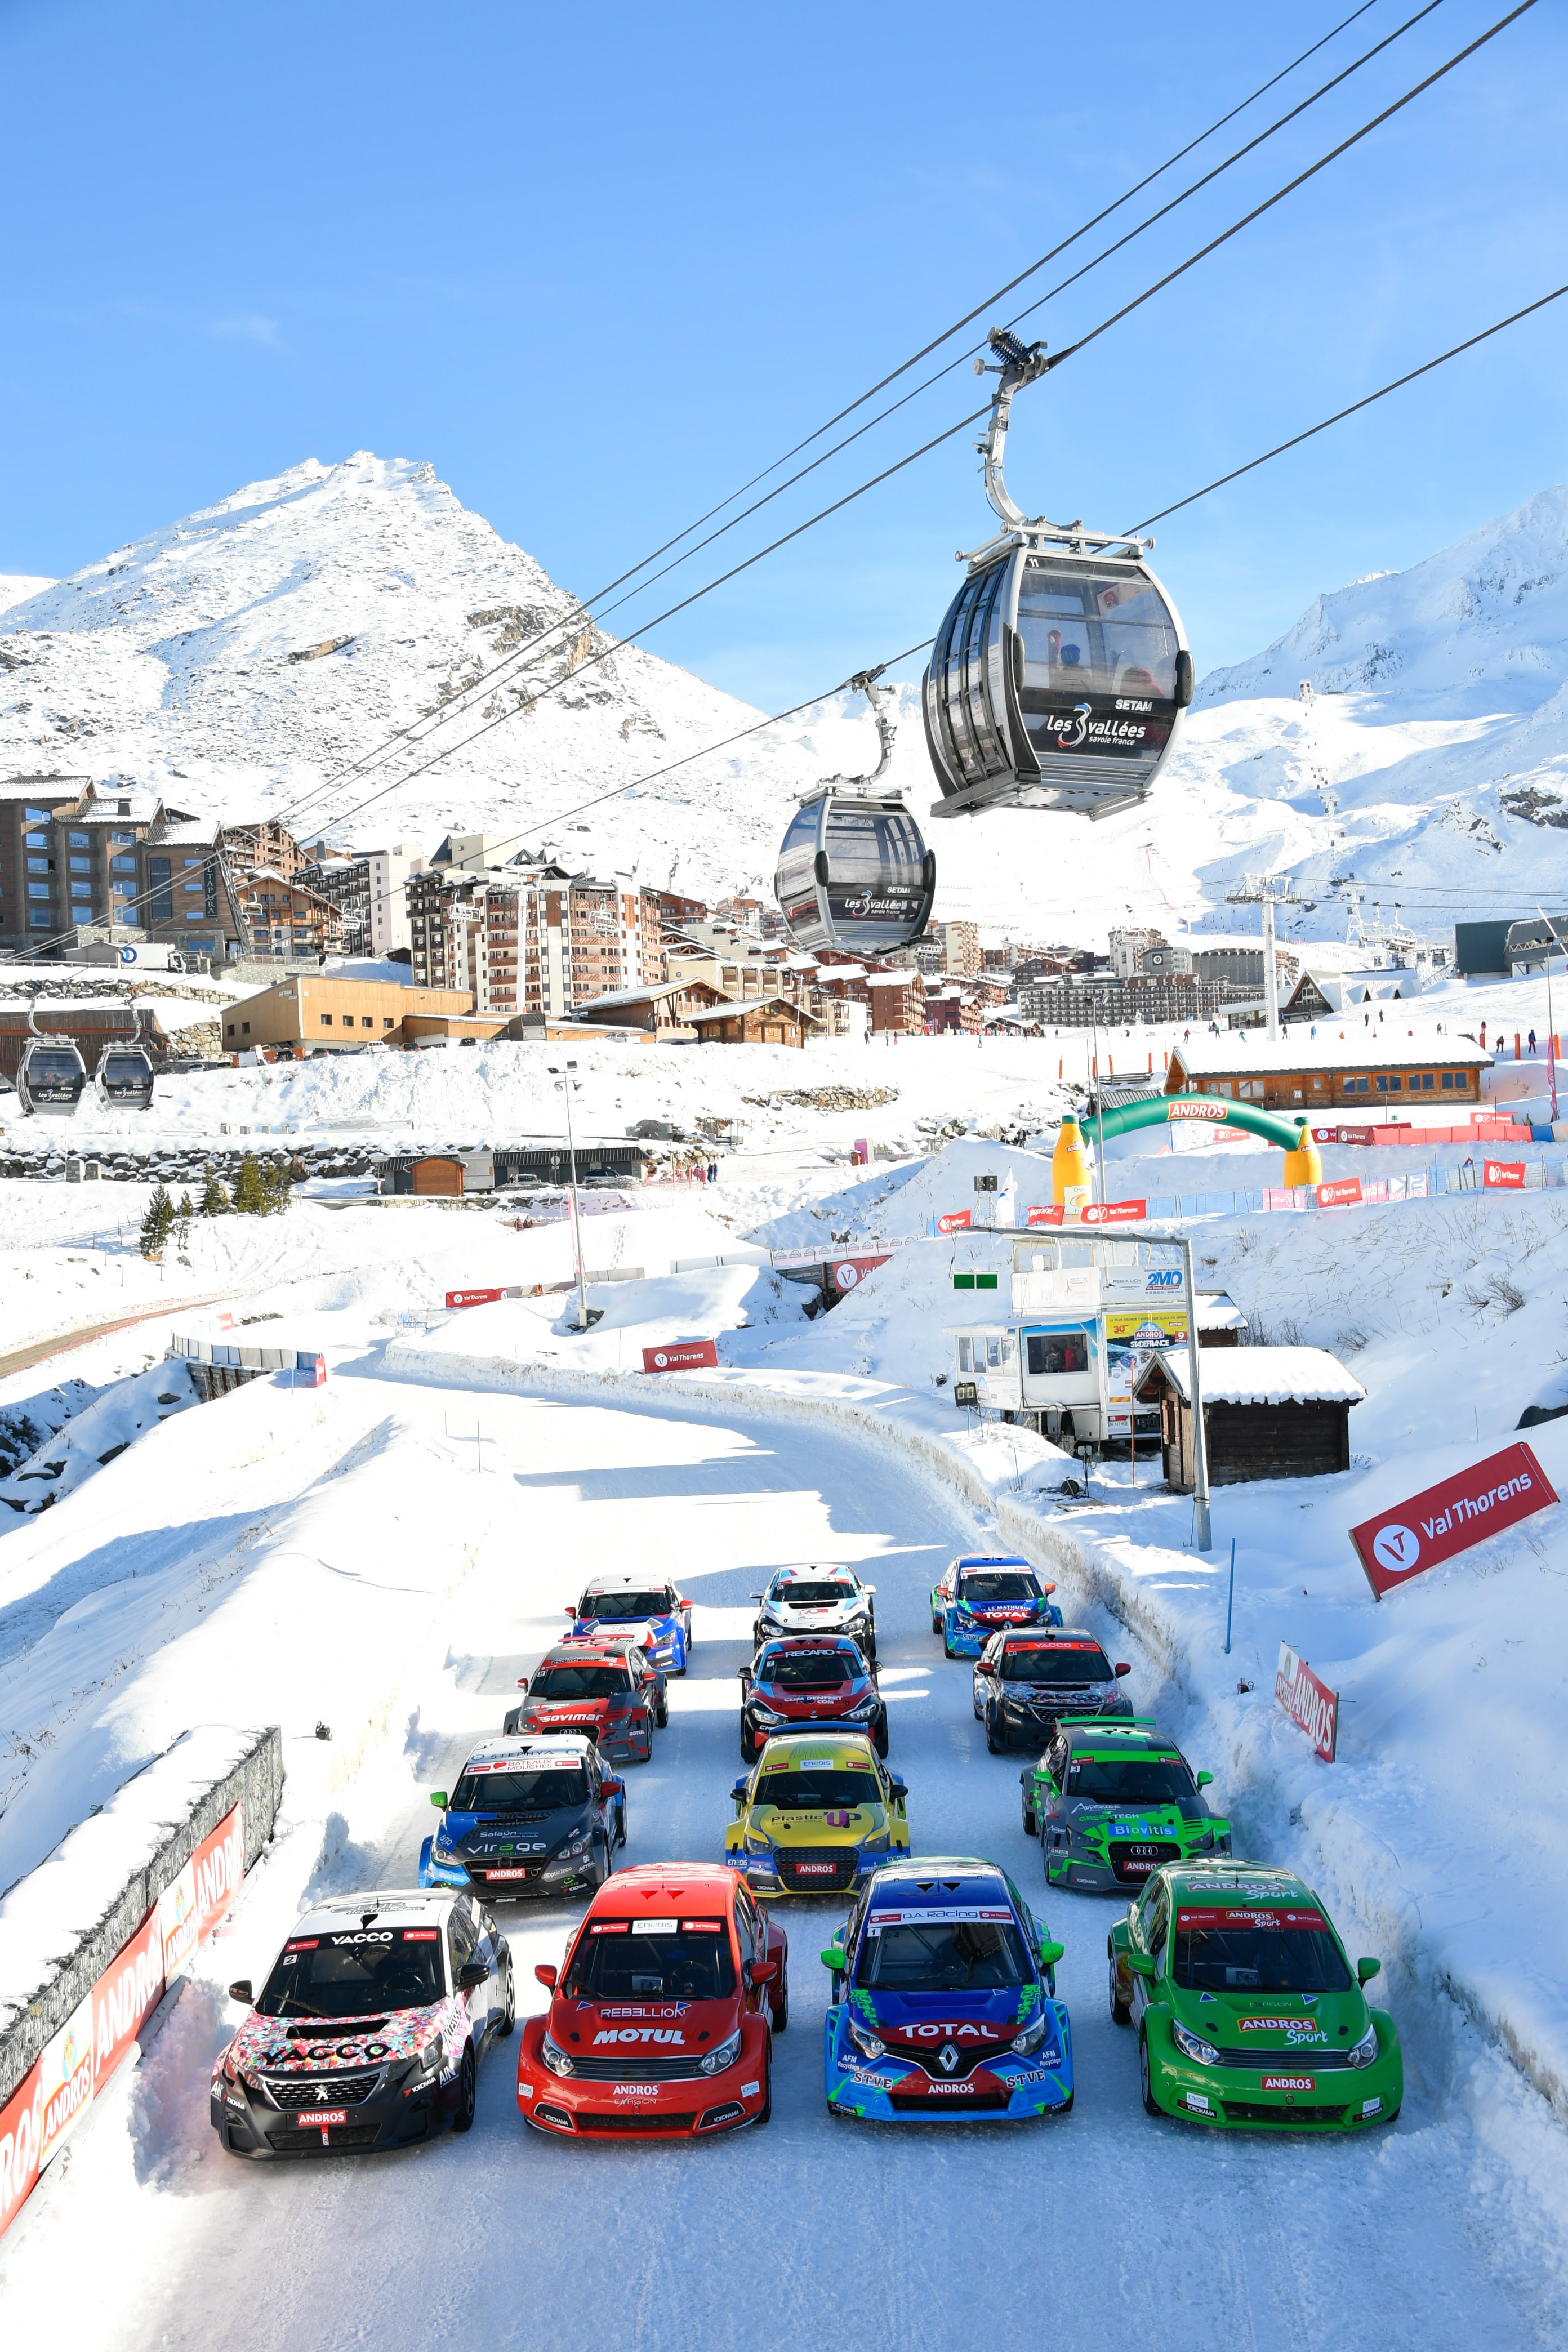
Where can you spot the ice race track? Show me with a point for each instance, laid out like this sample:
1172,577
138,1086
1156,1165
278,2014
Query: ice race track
812,2230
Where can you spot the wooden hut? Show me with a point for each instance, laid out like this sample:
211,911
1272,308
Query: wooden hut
1268,1413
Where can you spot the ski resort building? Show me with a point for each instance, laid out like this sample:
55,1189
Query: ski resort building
1268,1413
305,1012
528,936
1347,1068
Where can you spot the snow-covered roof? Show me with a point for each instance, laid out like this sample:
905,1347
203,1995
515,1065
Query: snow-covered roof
733,1004
1262,1376
643,996
35,788
189,833
1217,1311
1242,1053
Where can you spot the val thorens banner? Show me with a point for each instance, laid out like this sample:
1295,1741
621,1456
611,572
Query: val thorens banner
61,2085
1409,1537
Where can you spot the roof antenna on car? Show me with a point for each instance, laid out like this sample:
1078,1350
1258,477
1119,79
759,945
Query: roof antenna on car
365,1917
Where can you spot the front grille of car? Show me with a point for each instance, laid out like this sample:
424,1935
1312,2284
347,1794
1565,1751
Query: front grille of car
319,2091
983,2103
1132,1859
1245,2111
612,2123
1307,2055
968,2059
340,2136
817,1869
632,2066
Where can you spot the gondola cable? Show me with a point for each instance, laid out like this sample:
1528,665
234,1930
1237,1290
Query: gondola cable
581,612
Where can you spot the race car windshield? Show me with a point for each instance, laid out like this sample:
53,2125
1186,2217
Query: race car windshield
356,1975
973,1956
983,1586
819,1669
1130,1780
579,1682
823,1791
521,1792
792,1596
1260,1959
1057,1668
690,1966
625,1608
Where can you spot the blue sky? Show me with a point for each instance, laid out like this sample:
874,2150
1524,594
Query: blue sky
600,267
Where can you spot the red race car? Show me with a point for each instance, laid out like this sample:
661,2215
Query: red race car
805,1678
661,2023
608,1691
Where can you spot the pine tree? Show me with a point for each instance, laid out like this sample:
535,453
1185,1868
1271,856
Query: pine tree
216,1201
158,1223
249,1194
280,1187
182,1216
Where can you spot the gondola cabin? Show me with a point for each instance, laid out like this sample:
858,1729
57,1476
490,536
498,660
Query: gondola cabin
1055,682
854,873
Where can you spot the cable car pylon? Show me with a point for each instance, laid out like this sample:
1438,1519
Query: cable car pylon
1060,669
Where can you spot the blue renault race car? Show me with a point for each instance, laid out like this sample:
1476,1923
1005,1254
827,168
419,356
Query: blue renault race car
626,1607
943,2001
982,1594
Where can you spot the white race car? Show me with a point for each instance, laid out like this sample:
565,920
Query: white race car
819,1600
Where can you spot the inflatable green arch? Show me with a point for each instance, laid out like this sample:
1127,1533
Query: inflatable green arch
1288,1132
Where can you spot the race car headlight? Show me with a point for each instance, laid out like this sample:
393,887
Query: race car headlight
868,2044
1365,2049
724,2056
861,1707
962,1616
439,1850
1204,1844
424,2069
875,1843
573,1849
1032,2035
758,1841
556,2058
762,1714
1194,2046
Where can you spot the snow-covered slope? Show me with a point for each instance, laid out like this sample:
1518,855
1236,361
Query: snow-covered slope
245,657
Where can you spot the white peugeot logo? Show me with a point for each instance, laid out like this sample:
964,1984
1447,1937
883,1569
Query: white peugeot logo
947,2058
1396,1546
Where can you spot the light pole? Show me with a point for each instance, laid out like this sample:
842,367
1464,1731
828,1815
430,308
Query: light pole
566,1086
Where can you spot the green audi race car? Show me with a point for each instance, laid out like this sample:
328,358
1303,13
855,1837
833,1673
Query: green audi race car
1110,1802
1248,2012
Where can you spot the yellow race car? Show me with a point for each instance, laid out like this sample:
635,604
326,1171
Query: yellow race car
818,1813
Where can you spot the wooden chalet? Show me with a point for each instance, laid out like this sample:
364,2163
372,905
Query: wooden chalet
1268,1413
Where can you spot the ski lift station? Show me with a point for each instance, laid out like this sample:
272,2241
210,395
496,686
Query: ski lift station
1061,1349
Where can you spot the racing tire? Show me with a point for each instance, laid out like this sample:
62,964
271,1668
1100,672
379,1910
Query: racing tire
620,1824
748,1750
947,1648
509,2014
603,1867
936,1624
996,1741
1031,1827
767,2113
1151,2105
1121,2014
468,2092
880,1736
780,2018
661,1715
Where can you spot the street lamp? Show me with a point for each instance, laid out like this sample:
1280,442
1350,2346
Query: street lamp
567,1084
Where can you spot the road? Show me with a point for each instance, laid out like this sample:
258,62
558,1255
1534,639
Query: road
1103,2225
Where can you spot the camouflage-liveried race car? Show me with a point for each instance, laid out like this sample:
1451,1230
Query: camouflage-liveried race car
1111,1801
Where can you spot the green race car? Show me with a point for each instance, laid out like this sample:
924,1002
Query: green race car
1110,1802
1247,2012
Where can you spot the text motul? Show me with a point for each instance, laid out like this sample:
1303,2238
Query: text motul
639,2034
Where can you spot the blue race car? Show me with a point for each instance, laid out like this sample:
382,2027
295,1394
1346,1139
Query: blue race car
533,1815
983,1593
943,2001
654,1614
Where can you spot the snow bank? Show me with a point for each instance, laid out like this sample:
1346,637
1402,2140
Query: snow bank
98,1435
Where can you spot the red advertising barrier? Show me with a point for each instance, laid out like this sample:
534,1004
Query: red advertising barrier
473,1298
681,1356
1093,1213
845,1272
1503,1175
1343,1194
1410,1537
1308,1702
62,2084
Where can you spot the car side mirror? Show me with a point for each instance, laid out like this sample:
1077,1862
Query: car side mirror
1140,1964
867,1588
1204,1779
900,1788
522,1682
1048,1588
1123,1669
609,1787
471,1973
439,1799
738,1792
760,1972
1050,1954
743,1672
548,1973
755,1596
833,1958
1366,1969
572,1614
242,1989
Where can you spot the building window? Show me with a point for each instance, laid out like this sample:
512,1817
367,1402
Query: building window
326,1019
37,864
1450,1078
38,889
1422,1081
80,840
1390,1085
366,1022
387,1022
37,918
229,1028
35,816
81,864
160,902
1357,1085
123,864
